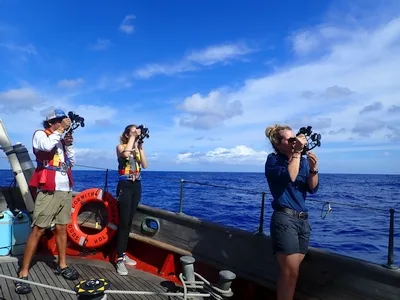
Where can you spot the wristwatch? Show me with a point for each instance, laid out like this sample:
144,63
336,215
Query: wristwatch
314,171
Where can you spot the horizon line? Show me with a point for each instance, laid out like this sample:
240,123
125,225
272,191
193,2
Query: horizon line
254,172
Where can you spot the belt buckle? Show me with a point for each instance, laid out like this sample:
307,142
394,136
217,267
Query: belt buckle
64,168
302,215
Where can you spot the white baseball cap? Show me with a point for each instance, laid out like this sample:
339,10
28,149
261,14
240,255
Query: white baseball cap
55,114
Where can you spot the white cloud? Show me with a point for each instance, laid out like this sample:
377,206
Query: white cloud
355,70
304,42
376,148
25,108
151,70
21,99
218,53
236,155
94,114
196,59
114,82
70,83
208,112
93,153
101,44
27,49
126,25
19,54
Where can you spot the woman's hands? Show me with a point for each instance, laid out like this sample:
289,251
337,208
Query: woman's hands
312,161
301,141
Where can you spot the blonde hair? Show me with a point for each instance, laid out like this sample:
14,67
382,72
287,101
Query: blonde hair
273,133
123,139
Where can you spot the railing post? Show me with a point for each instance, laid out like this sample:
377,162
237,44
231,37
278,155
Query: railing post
260,230
181,197
390,258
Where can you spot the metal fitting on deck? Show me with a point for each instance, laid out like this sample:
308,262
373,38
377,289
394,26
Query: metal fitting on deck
92,289
188,267
225,279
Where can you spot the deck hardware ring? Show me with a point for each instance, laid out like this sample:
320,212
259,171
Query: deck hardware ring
146,227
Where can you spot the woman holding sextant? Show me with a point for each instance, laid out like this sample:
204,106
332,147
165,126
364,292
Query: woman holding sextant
290,177
131,159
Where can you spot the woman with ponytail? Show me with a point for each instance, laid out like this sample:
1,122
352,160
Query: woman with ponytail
290,177
131,159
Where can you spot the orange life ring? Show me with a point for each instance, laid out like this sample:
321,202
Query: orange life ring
108,232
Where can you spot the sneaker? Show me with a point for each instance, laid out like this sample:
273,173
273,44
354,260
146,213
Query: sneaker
121,269
67,273
129,261
22,287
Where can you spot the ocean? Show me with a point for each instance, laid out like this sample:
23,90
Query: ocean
357,226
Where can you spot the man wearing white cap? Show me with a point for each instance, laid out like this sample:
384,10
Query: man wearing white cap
53,181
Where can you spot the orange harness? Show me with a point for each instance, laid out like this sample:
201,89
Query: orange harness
48,163
128,169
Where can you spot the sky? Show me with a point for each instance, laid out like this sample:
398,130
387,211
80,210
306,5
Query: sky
207,77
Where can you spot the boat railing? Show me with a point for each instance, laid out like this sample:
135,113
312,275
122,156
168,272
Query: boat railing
260,231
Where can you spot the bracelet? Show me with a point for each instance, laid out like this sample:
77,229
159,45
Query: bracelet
295,156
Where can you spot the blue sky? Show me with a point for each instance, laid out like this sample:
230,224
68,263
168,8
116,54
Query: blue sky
207,78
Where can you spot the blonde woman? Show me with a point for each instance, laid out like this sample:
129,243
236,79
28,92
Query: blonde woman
290,177
131,159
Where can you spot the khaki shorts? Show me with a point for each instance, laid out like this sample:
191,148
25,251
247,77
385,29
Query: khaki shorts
52,208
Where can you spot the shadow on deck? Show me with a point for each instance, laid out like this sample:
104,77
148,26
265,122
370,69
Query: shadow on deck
42,272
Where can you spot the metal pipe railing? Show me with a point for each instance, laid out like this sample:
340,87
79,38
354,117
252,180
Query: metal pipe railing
181,197
260,230
390,257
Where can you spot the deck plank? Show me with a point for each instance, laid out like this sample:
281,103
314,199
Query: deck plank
39,292
4,284
42,271
10,285
14,270
114,285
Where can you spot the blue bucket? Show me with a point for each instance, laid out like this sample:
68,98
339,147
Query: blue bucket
20,233
6,221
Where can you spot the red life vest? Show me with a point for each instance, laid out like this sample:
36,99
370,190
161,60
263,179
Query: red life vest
48,163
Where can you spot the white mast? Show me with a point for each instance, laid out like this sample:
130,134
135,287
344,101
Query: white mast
8,149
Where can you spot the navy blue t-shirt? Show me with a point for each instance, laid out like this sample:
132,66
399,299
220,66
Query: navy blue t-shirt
286,193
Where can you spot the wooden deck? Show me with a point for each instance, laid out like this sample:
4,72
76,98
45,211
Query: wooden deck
42,272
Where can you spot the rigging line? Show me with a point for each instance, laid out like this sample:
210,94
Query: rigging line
350,205
223,186
90,167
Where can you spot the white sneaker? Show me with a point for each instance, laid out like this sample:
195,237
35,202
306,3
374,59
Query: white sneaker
129,261
121,269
